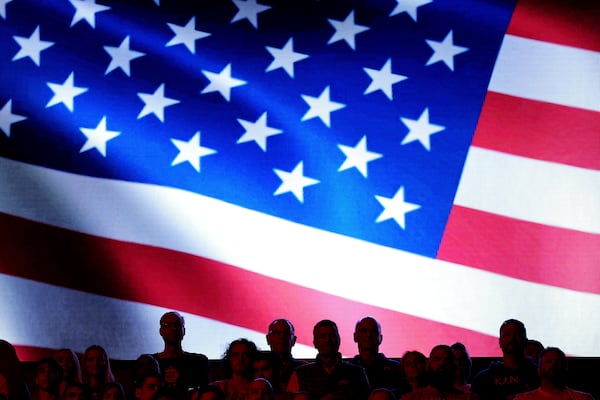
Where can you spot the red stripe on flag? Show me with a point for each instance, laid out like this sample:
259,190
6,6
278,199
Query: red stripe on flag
207,288
506,246
30,353
539,130
575,24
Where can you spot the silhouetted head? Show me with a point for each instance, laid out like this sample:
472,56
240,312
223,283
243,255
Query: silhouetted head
172,327
239,358
553,366
513,337
259,389
326,337
281,337
48,374
441,367
367,334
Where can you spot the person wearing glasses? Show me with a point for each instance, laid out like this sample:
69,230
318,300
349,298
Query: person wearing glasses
281,338
180,369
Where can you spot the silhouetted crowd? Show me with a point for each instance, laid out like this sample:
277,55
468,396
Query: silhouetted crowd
526,371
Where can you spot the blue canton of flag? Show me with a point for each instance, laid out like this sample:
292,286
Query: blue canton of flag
349,116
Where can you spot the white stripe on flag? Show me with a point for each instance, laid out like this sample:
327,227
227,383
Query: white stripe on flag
531,190
183,221
547,72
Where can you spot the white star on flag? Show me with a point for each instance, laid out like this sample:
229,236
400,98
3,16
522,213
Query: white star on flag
383,79
294,182
409,7
222,82
346,30
421,129
7,118
97,137
321,107
186,35
121,57
248,9
65,93
445,51
3,4
31,47
395,208
155,103
86,9
285,57
358,156
191,151
257,131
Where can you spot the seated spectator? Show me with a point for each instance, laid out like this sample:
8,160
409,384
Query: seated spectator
329,375
514,373
441,371
96,371
413,367
463,367
208,392
281,338
260,389
553,379
381,371
147,386
266,366
533,349
76,391
48,375
180,369
12,380
145,364
167,393
238,363
113,391
71,368
382,394
301,396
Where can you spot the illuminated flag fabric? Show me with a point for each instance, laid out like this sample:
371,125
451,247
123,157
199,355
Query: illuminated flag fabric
431,163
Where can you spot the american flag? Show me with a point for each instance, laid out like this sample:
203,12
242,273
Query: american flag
431,163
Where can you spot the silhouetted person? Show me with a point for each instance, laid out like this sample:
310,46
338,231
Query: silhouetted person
413,365
463,366
266,365
147,386
76,391
70,365
180,369
381,371
208,392
167,393
515,373
533,349
260,389
329,377
382,394
144,365
12,380
238,363
553,379
48,375
302,396
281,338
441,371
113,391
95,370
